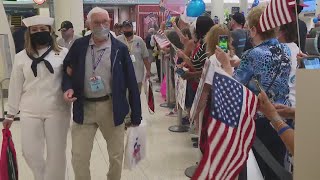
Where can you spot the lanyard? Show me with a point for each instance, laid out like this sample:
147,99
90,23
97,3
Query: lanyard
94,62
129,47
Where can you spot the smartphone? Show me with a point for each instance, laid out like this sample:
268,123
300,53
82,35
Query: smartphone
311,63
168,22
180,72
223,42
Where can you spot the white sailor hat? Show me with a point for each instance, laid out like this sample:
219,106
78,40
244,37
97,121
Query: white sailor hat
38,20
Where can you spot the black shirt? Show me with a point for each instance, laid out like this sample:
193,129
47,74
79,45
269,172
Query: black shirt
148,39
303,31
199,58
18,38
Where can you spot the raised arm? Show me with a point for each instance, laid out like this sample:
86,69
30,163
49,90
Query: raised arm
285,132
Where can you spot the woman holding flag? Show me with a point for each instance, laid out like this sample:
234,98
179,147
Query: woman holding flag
199,30
211,40
269,64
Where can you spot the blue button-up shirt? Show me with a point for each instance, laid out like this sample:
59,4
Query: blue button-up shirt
265,62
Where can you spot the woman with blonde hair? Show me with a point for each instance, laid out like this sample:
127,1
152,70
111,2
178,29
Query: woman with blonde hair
35,91
269,64
211,40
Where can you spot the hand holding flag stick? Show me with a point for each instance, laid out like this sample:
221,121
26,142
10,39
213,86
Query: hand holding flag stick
163,40
231,128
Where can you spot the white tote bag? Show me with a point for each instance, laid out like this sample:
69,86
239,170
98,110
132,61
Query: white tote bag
136,146
253,170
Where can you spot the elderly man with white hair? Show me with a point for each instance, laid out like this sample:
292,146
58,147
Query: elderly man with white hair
98,72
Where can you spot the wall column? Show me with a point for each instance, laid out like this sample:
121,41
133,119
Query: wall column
244,7
71,10
217,9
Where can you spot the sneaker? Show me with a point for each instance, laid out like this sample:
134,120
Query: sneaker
195,145
172,113
194,139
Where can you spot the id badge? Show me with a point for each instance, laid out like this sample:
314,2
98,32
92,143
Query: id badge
96,84
133,58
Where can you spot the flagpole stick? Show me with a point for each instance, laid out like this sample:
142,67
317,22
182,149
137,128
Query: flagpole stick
180,128
298,29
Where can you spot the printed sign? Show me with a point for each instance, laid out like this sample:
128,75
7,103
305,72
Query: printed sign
199,90
181,89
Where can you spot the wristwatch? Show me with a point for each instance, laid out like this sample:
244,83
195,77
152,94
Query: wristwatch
274,121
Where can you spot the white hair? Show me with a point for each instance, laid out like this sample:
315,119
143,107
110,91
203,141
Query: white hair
95,11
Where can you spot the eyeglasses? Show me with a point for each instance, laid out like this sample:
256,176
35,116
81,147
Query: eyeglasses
104,22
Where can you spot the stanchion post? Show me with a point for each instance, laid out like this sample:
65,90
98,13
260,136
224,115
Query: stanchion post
168,104
161,67
191,170
179,128
161,70
168,80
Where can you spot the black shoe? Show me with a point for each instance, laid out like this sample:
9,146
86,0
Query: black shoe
194,139
195,145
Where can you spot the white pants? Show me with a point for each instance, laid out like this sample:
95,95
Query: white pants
52,130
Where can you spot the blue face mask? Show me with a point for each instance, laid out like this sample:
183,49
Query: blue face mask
101,32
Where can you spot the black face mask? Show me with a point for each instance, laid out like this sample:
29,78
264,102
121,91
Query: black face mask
41,38
128,34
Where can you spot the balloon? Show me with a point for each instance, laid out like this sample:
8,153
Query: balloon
255,3
196,8
315,20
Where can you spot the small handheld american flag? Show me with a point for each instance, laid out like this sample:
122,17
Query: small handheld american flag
231,129
161,39
277,13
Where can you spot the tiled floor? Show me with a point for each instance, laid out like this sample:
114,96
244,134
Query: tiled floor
168,154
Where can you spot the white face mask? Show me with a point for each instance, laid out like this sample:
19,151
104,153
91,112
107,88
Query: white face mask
101,32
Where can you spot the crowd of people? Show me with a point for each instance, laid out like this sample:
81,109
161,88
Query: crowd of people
270,58
101,76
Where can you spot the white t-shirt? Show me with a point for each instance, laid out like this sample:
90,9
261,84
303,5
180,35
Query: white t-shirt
292,77
214,62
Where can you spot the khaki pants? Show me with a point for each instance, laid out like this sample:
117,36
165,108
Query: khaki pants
97,115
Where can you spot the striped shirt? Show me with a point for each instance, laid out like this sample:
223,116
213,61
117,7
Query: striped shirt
199,57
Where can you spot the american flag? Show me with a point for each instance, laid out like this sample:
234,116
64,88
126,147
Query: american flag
231,129
277,13
161,39
147,20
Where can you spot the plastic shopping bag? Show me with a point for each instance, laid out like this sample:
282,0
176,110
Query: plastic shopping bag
163,89
149,94
8,160
136,146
